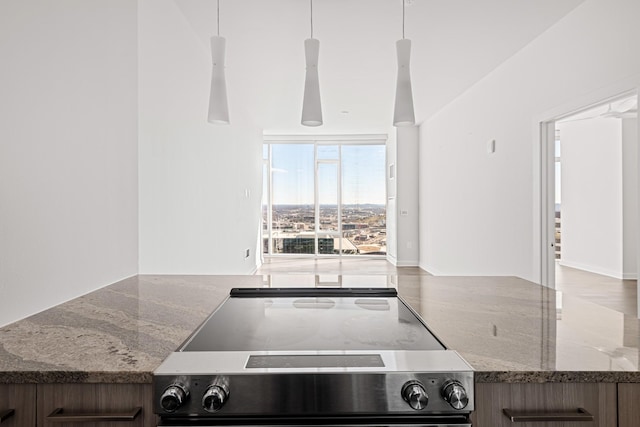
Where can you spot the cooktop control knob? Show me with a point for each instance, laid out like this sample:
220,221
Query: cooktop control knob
215,397
415,395
455,394
173,397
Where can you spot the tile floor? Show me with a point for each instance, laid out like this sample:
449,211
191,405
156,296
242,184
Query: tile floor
341,266
619,295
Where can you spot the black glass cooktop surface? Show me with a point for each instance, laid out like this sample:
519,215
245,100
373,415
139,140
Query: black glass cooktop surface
317,323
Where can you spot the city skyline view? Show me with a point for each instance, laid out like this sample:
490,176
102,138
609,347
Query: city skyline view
348,184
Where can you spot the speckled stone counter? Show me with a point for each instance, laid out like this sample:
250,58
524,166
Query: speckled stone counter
508,329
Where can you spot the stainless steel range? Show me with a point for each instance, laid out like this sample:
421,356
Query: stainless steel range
313,356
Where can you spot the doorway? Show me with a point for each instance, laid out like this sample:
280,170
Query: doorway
590,192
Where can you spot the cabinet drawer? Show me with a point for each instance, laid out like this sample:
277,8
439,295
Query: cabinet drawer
82,405
18,405
563,400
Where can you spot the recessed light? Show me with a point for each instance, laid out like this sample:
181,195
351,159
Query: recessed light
344,112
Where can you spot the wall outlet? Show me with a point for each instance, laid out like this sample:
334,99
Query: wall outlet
247,253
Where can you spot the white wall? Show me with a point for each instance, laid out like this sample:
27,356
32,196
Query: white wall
407,139
392,184
195,217
68,153
402,197
592,195
479,212
630,198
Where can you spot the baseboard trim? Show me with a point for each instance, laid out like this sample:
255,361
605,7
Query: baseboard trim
402,263
430,270
598,270
407,263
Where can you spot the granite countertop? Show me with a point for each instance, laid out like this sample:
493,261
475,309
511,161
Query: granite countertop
512,330
508,329
117,334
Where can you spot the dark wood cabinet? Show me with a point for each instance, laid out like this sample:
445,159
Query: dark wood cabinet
562,401
95,405
628,405
18,405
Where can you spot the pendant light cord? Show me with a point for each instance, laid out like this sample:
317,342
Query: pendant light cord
311,1
402,19
218,18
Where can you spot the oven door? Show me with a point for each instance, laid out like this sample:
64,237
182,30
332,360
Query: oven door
443,423
425,421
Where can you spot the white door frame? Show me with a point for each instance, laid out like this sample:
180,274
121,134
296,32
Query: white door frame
547,203
317,232
545,155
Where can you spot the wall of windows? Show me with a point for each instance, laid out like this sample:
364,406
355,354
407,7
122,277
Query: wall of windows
324,197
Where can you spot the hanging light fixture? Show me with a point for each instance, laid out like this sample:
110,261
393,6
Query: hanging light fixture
311,107
218,107
403,114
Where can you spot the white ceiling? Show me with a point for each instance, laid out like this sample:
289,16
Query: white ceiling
454,44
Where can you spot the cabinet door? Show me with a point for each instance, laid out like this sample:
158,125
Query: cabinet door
74,405
18,405
628,405
561,399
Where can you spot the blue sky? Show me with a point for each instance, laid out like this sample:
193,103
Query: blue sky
363,174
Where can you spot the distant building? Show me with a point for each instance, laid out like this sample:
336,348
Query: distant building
354,226
306,245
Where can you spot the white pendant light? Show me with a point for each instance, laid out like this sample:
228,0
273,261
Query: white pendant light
311,106
218,106
403,114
